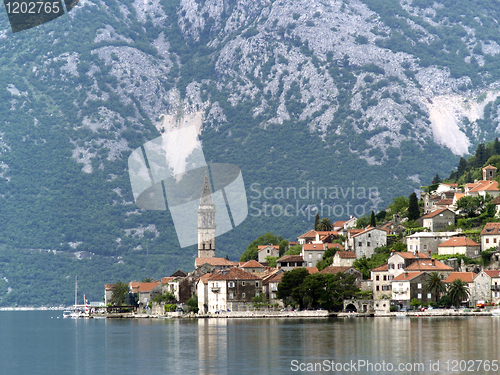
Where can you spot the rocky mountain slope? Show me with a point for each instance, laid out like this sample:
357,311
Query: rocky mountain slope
371,98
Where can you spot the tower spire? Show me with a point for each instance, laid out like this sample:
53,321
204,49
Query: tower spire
206,221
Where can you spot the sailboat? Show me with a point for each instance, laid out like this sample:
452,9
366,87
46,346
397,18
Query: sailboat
78,311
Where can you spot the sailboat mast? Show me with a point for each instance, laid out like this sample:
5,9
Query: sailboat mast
76,289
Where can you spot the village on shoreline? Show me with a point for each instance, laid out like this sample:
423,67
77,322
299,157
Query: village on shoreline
417,263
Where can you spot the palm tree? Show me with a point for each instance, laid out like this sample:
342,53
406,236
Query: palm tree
325,224
435,284
458,291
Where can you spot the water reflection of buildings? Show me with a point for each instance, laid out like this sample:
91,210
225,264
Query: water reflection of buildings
212,346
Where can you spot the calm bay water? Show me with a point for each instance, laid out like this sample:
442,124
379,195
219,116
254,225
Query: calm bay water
36,342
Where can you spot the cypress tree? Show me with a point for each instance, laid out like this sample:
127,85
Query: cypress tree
316,221
413,210
373,222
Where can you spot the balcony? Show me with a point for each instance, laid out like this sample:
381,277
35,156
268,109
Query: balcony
495,288
215,289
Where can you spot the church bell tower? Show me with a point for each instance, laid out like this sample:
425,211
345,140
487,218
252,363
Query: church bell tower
206,221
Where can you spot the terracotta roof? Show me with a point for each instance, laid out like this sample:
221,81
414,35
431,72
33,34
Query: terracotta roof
346,254
411,255
109,286
428,265
165,280
467,277
233,274
452,185
459,241
459,195
313,247
491,228
335,269
352,232
260,247
214,262
276,278
445,202
489,166
205,277
485,186
339,223
381,268
312,269
134,286
291,258
496,200
407,276
366,230
327,232
492,273
311,233
146,287
437,212
252,264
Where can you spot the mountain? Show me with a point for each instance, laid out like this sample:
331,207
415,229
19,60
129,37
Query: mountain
349,102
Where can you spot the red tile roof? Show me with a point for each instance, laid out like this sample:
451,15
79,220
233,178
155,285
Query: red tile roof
411,255
435,213
459,241
214,262
406,276
205,277
276,278
264,246
234,273
444,202
381,268
485,186
339,223
252,264
496,200
492,273
146,287
312,269
291,258
109,286
346,254
313,247
334,246
467,277
491,228
165,280
489,166
428,265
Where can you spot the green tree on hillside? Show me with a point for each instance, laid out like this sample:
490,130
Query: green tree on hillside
316,221
289,287
325,224
266,239
413,210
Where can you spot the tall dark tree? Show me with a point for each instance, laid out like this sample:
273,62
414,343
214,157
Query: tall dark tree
119,294
325,224
462,166
496,146
413,210
289,287
458,291
481,155
373,221
316,221
436,179
435,284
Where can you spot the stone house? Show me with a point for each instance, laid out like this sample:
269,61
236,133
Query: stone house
487,287
148,291
490,236
439,219
202,293
344,258
430,265
365,242
460,245
316,236
252,266
265,251
399,261
289,262
381,282
232,290
108,293
270,286
410,285
312,253
428,242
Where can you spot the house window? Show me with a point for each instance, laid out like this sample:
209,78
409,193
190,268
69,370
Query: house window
429,295
495,240
487,240
319,256
231,295
242,295
359,244
400,266
377,278
425,247
377,288
256,284
242,283
419,295
368,244
310,264
310,256
385,278
419,286
411,247
369,234
390,277
231,284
